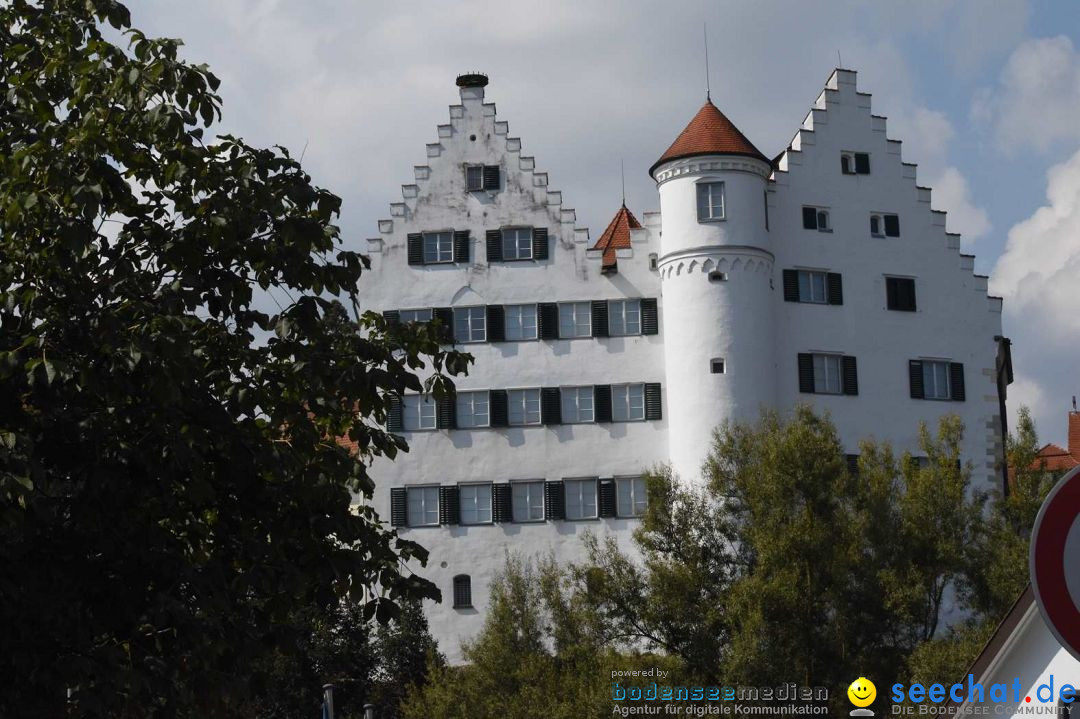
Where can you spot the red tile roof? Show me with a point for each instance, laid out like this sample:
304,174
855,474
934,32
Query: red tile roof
617,235
1056,458
709,133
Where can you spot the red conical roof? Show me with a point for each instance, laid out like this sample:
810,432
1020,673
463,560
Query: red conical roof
617,235
709,133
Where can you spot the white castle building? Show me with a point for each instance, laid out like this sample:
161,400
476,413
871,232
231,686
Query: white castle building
820,276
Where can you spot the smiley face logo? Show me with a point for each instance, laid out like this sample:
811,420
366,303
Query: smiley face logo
862,692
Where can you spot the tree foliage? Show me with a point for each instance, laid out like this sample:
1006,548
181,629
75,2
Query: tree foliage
171,491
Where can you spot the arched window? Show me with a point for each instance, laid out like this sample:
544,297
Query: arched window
462,591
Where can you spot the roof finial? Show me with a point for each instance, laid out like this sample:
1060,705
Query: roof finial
708,87
622,173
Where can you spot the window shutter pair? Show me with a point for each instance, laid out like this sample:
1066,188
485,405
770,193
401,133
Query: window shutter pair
501,507
499,408
809,218
607,498
491,177
956,380
602,403
416,248
652,401
397,507
449,505
892,225
445,316
494,246
540,243
599,318
550,405
547,318
395,418
791,285
446,412
849,375
806,373
496,323
650,321
554,500
834,287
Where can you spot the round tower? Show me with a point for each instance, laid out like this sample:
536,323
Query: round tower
715,267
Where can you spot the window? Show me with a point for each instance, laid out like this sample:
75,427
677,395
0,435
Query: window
575,319
877,226
855,163
415,315
628,402
474,178
473,410
717,276
717,366
417,412
470,324
827,374
654,262
812,287
517,243
630,496
624,317
475,503
523,406
935,379
423,506
710,201
520,322
438,247
527,500
462,591
580,498
900,294
816,218
577,404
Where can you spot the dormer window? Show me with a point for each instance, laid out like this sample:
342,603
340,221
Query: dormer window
816,218
481,177
855,163
710,201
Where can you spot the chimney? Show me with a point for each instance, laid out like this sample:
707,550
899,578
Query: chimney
471,86
1074,433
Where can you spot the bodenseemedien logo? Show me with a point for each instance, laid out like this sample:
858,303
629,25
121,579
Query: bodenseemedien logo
862,693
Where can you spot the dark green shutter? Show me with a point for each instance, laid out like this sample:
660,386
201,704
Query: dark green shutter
650,320
496,323
607,498
835,286
791,285
540,243
550,405
652,401
956,381
446,411
554,500
809,218
449,505
849,374
892,225
395,417
547,318
892,285
599,318
445,316
501,509
602,402
416,248
499,409
907,295
494,246
461,246
491,177
392,317
862,163
915,380
806,373
398,500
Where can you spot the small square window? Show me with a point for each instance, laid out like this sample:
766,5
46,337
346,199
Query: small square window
718,276
438,247
520,322
816,218
580,498
524,406
624,317
900,294
630,496
823,221
418,412
575,319
422,506
827,374
628,402
517,243
877,226
717,366
474,178
936,379
812,287
577,404
527,501
474,501
473,409
710,201
470,324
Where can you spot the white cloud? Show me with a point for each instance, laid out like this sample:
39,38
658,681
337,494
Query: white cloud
953,194
1038,276
1037,100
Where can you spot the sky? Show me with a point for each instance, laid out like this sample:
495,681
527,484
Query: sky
985,96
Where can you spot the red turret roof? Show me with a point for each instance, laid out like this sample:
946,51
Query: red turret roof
617,235
709,133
